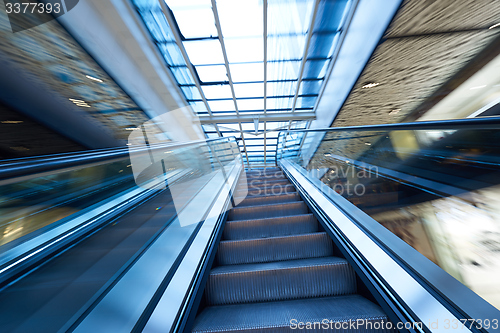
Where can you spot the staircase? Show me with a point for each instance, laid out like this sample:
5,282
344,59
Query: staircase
274,268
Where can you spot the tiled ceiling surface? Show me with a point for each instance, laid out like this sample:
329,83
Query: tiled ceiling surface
248,68
427,43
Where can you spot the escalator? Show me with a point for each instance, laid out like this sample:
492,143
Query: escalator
275,269
198,243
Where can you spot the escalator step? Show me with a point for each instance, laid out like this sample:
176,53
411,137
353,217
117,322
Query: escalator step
269,190
277,316
264,178
268,199
275,174
268,183
270,227
291,279
274,249
263,211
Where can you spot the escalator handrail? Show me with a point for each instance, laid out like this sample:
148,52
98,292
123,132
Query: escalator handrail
485,123
24,167
453,124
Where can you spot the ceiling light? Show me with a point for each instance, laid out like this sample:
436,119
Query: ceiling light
478,87
93,78
370,85
368,144
395,111
132,128
11,121
494,26
76,100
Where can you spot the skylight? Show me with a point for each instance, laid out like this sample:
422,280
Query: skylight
286,79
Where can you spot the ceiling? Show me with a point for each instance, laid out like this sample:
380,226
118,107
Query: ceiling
430,49
426,45
248,68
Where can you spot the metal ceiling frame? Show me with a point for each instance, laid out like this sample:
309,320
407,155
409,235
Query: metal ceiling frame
228,72
271,117
343,32
171,22
264,5
304,57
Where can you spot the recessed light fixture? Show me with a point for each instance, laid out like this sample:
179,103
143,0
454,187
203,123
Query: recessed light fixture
368,144
394,111
12,121
478,87
494,26
328,155
370,85
79,102
93,78
132,128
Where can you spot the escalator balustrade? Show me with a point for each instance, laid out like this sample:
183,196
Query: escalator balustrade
275,268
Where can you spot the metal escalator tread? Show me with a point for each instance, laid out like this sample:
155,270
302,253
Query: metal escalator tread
269,190
268,182
270,227
272,210
280,280
277,316
274,265
269,199
234,252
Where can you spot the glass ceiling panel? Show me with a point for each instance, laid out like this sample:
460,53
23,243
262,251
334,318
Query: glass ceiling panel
246,49
305,102
198,106
221,105
182,75
172,54
241,18
315,69
212,73
279,103
242,27
157,24
217,91
286,47
310,87
204,52
247,72
283,70
289,17
281,88
191,92
251,104
187,13
249,90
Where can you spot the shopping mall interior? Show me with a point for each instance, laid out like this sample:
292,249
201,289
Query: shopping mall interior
250,166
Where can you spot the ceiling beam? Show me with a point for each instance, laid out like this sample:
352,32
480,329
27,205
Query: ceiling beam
228,71
249,118
264,5
304,57
171,22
